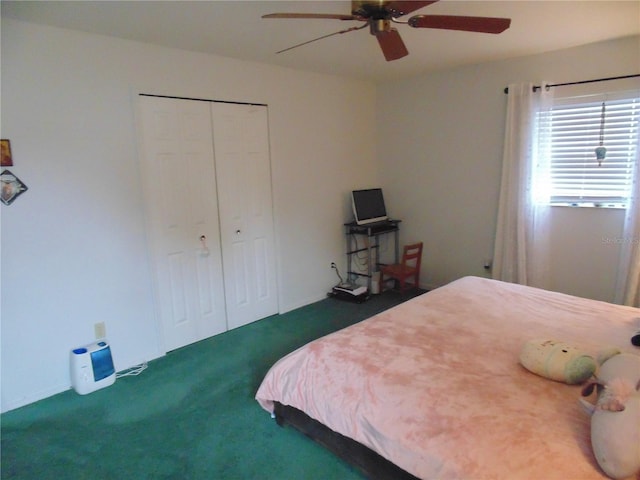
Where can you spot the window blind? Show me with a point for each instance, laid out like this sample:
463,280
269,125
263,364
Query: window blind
573,131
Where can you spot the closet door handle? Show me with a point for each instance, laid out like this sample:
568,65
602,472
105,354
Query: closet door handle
238,232
204,251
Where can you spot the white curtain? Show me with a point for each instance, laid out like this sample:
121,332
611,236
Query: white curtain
628,282
521,244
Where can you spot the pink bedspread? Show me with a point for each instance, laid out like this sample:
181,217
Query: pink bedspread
435,386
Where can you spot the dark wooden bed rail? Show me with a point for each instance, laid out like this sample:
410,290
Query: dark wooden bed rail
373,465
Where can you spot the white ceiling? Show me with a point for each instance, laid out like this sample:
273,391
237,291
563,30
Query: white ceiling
236,29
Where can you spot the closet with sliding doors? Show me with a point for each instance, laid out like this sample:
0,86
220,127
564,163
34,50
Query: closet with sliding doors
206,178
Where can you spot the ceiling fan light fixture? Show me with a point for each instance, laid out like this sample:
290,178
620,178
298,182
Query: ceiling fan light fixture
379,25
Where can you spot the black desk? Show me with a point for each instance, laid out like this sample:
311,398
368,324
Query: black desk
371,232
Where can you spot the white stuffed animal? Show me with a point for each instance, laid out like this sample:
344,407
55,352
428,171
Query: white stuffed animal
615,420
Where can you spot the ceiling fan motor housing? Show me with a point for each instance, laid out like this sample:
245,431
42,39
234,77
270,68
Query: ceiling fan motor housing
376,14
374,9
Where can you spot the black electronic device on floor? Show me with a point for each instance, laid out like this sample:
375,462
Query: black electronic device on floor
348,297
348,291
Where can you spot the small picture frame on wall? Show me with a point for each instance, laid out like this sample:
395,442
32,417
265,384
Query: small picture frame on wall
11,187
6,160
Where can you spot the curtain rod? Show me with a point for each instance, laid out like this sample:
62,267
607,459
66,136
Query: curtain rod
538,87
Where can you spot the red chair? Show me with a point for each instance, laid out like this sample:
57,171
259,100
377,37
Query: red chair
407,269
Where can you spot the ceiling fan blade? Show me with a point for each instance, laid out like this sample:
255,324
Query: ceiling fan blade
322,37
329,16
392,45
467,24
399,8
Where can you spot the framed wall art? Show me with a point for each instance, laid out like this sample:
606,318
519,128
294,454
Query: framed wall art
11,187
6,160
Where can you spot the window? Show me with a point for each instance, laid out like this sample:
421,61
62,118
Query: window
568,136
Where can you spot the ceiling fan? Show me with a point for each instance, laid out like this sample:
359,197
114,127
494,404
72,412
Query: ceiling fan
380,14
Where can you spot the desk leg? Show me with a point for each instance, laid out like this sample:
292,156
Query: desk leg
369,266
348,256
396,235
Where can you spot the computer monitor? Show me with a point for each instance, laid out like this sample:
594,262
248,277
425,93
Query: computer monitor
368,206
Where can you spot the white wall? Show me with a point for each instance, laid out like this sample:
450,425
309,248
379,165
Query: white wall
73,246
441,161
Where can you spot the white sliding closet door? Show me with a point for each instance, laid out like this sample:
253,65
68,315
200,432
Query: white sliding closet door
179,177
241,145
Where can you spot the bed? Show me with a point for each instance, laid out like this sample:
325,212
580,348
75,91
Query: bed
433,387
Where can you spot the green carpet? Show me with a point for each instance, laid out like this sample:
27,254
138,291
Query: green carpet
190,415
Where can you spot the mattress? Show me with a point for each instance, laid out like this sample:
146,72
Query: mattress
434,385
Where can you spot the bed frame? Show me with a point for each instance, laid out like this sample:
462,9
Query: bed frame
373,465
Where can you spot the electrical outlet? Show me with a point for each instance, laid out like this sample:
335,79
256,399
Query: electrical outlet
333,265
100,330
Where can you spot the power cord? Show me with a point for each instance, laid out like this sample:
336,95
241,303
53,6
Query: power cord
133,371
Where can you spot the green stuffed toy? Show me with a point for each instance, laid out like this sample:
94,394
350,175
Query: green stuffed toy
558,361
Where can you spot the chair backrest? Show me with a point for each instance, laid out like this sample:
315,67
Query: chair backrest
412,253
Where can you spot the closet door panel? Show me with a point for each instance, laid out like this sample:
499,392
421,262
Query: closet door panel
246,220
178,174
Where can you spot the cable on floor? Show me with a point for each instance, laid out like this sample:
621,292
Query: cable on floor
133,371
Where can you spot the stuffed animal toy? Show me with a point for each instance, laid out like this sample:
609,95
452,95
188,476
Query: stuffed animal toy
615,418
558,361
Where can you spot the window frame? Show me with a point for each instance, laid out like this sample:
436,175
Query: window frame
567,172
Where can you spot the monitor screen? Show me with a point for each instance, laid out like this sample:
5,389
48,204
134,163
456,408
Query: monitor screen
368,206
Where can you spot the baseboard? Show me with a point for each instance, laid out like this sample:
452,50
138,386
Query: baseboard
24,400
429,286
302,303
